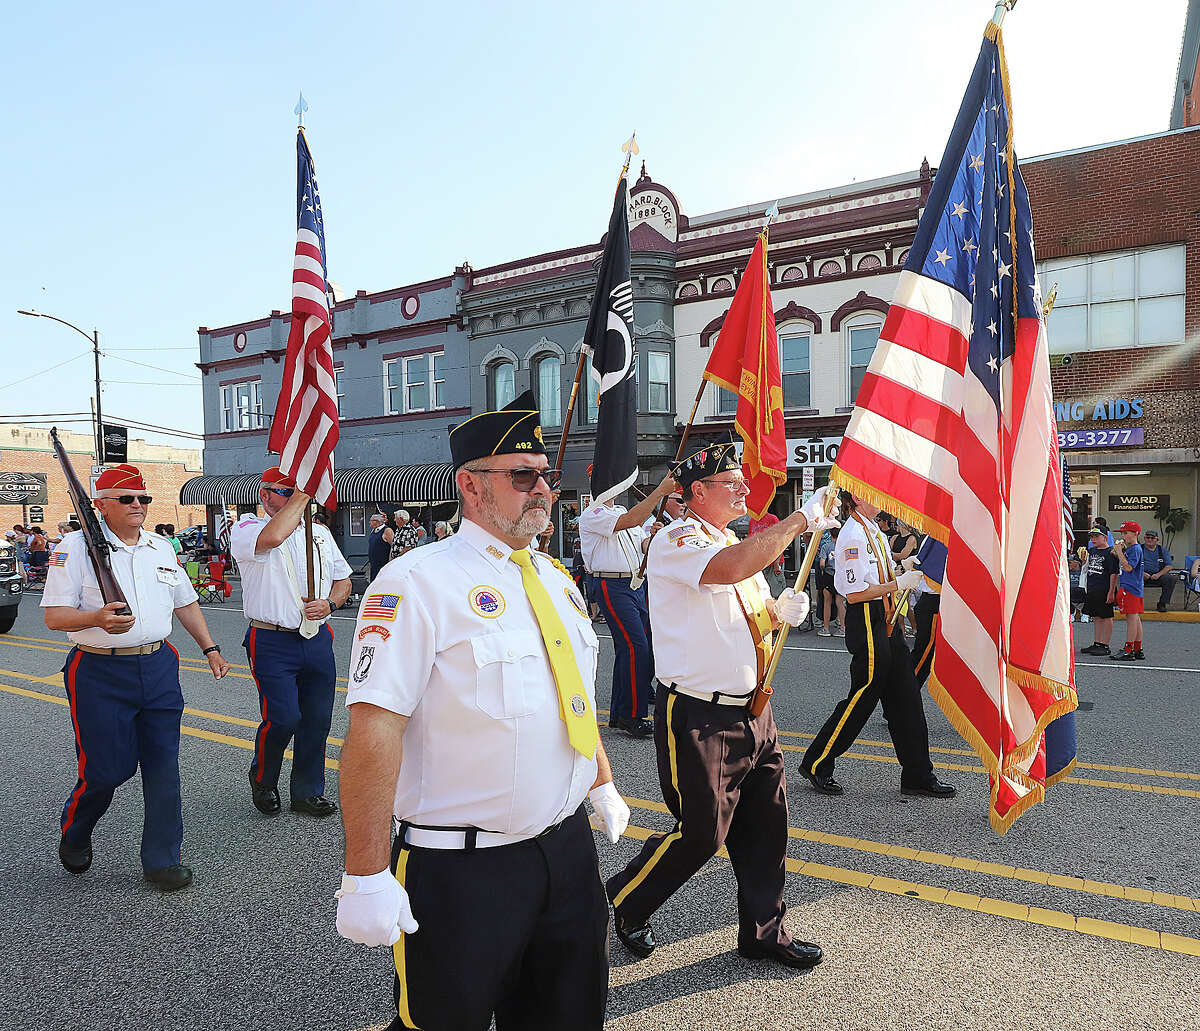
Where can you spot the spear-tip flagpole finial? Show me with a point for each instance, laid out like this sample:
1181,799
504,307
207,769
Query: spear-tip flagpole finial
772,213
629,148
299,109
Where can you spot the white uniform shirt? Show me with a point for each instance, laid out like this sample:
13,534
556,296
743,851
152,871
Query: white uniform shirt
446,636
605,549
701,639
267,592
148,573
855,568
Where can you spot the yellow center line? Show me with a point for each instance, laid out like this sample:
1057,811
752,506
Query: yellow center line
1012,873
978,903
960,900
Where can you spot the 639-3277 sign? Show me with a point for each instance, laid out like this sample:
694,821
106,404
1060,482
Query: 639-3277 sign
1128,436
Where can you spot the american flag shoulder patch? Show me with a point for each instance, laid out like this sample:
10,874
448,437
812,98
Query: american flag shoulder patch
380,606
681,531
852,553
59,558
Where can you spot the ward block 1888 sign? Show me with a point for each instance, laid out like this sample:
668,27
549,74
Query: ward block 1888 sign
22,488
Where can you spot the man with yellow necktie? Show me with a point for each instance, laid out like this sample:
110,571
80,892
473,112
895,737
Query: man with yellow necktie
473,725
721,769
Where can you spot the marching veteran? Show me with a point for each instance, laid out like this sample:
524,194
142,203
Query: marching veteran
721,769
881,666
473,725
289,643
613,540
122,676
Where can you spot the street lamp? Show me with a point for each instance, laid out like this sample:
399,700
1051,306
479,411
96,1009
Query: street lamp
94,339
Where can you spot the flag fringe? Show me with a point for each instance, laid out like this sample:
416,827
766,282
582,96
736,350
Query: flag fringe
916,519
1065,772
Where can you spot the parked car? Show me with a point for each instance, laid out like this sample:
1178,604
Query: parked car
11,588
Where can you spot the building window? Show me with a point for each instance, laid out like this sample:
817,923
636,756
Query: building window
1125,299
501,385
408,381
358,520
593,392
439,379
861,340
793,363
658,366
549,381
337,387
241,407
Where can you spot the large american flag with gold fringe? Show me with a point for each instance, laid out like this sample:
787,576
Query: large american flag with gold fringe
304,431
954,431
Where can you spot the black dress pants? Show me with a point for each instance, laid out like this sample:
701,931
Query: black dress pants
722,778
519,932
881,670
926,616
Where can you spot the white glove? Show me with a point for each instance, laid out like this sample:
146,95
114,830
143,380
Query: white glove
373,910
819,524
815,507
791,608
611,810
912,562
910,580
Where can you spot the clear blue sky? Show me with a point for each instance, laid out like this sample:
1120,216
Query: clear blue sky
151,161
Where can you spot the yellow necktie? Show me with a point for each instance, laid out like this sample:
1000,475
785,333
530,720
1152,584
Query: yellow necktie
573,705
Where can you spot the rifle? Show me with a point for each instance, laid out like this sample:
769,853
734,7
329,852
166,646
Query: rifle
98,546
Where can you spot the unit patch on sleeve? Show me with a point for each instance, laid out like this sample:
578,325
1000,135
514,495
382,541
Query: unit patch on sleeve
363,669
382,631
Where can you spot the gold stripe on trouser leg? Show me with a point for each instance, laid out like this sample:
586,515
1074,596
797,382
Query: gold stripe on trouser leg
857,694
677,833
398,949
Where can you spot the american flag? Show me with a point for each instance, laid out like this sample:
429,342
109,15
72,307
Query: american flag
380,606
304,431
954,431
1068,508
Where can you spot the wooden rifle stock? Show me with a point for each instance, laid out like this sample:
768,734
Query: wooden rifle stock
93,535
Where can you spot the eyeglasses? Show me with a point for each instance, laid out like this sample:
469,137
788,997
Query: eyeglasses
738,484
526,479
283,492
128,499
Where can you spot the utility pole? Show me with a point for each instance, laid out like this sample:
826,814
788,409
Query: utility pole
99,413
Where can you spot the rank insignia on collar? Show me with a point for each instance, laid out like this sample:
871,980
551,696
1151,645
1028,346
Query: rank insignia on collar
495,552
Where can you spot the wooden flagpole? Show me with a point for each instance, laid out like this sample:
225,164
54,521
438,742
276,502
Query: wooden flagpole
762,693
308,551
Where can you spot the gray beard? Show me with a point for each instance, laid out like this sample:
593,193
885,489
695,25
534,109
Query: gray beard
532,521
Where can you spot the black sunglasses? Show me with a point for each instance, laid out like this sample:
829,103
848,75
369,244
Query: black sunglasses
283,492
127,499
526,479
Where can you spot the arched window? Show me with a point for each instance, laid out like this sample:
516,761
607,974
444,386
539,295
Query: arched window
502,385
549,380
722,286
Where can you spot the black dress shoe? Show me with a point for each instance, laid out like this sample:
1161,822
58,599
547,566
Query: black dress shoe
798,954
635,727
638,940
314,805
932,788
75,858
824,785
170,878
266,800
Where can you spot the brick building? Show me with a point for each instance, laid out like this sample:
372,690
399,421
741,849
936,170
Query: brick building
1117,227
25,451
1185,105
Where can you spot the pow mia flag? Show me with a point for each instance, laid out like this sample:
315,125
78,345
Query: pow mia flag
609,342
116,443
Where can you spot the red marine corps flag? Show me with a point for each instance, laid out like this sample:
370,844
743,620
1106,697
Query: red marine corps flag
745,360
953,429
304,431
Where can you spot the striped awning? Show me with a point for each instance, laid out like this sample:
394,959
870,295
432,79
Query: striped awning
406,484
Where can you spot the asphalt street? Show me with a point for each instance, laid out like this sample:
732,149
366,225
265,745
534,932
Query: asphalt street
1085,915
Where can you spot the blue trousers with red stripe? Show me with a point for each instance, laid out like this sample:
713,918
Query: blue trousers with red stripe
295,678
628,618
126,711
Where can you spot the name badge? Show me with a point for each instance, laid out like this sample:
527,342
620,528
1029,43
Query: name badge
166,576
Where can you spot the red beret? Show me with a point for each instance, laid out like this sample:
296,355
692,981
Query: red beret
121,477
275,476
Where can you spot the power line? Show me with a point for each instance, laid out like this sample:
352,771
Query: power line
149,383
32,375
145,365
151,349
